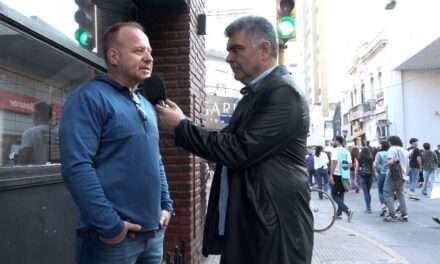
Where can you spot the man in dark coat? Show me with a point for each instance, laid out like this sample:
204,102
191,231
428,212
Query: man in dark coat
258,210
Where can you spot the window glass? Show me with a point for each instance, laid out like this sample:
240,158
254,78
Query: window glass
35,80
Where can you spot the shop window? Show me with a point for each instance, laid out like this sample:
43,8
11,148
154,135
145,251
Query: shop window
35,80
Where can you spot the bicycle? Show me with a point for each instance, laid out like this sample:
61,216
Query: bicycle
323,209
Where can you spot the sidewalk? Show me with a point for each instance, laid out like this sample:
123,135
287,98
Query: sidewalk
340,245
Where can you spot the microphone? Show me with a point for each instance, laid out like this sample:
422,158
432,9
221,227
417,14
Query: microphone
154,90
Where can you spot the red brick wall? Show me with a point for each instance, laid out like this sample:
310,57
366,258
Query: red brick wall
179,57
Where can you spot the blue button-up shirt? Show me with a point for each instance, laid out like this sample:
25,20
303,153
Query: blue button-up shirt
110,158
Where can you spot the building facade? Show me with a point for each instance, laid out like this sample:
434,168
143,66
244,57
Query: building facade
395,80
311,35
365,116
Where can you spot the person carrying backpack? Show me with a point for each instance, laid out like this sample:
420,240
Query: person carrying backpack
430,163
397,164
381,171
365,173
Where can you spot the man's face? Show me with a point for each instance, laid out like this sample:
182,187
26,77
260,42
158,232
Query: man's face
414,144
244,57
133,57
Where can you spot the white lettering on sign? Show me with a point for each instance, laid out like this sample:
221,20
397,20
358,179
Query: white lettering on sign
217,108
23,105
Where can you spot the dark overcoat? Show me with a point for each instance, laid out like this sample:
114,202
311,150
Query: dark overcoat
268,215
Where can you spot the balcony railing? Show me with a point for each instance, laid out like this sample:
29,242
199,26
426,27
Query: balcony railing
362,110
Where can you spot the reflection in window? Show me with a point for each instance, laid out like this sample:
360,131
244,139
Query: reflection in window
35,80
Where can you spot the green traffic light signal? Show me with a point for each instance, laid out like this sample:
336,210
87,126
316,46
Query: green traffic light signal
84,38
286,28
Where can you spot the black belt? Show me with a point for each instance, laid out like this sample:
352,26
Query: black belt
135,235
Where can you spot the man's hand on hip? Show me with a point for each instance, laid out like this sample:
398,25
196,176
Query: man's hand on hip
121,236
165,218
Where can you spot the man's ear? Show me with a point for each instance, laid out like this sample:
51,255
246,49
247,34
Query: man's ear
266,49
113,56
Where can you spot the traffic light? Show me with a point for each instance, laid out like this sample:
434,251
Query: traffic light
85,17
286,21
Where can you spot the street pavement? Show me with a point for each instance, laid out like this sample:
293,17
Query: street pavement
417,241
367,239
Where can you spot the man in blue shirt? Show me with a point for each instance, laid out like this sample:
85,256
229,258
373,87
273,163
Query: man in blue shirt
110,157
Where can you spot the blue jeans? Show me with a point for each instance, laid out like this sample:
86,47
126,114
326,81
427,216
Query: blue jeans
413,176
91,250
380,183
366,183
321,177
428,175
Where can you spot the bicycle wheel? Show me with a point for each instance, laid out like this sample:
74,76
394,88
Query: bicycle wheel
324,210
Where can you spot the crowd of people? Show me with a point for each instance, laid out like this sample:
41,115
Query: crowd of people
389,165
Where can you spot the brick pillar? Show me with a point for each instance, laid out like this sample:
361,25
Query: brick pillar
179,58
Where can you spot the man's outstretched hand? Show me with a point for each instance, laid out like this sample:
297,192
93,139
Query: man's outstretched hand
170,115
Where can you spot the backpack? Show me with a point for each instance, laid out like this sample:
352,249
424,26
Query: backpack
365,168
429,160
396,172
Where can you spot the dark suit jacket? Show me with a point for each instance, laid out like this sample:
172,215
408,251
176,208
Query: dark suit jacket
268,217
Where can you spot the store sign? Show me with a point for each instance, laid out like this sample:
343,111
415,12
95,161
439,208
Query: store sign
219,110
24,104
16,103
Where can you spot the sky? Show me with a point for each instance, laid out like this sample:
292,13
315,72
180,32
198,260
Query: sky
350,23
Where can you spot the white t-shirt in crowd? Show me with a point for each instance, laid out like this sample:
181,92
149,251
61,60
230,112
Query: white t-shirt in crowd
343,161
396,152
321,161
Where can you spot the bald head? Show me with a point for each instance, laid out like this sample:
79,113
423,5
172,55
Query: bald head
112,38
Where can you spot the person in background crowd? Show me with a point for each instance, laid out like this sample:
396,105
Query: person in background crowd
381,170
340,170
415,166
394,182
365,173
430,164
321,169
437,153
310,166
353,168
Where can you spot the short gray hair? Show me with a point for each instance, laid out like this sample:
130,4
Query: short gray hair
257,27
